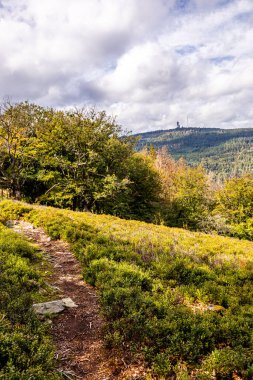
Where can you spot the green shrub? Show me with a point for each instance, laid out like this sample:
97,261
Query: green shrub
162,365
11,210
243,230
13,244
25,350
106,273
227,362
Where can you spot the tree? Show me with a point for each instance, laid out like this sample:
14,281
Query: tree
145,187
76,159
186,194
235,199
82,156
18,124
191,204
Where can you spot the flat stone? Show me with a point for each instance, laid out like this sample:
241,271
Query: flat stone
53,307
68,302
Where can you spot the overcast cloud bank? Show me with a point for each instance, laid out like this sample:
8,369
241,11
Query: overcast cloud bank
151,63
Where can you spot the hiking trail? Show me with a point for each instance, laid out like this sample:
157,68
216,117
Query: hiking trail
76,332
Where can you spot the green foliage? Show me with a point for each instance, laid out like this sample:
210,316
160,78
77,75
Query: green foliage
74,159
162,365
15,245
226,362
235,204
235,199
12,210
183,300
145,188
243,230
190,205
186,197
25,350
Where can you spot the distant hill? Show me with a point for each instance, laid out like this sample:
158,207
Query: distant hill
225,152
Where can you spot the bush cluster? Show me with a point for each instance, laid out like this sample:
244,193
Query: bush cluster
26,352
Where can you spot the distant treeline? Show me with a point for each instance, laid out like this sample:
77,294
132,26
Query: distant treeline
224,152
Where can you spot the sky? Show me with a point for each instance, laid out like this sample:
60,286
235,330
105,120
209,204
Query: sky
149,63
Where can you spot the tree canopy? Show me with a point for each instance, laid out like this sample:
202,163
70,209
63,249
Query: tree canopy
76,159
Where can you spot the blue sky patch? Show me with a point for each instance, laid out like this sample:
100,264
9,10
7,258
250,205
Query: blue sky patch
221,3
182,4
186,50
219,60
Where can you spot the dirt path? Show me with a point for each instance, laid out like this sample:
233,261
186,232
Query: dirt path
77,331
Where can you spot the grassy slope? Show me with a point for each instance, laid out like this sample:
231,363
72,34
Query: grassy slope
182,300
225,151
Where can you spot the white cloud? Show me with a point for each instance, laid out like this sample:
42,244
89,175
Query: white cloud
151,62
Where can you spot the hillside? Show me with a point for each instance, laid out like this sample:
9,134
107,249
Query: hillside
80,160
226,152
178,301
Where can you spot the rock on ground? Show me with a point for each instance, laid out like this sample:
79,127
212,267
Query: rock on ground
53,307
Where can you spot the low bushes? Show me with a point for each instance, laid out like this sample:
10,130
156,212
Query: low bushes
25,350
180,300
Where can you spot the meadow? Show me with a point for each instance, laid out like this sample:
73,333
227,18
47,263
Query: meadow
178,300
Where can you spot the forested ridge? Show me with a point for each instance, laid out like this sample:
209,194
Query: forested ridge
167,245
224,152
